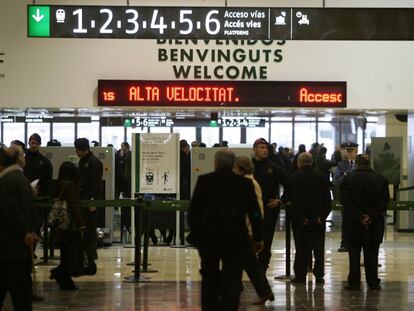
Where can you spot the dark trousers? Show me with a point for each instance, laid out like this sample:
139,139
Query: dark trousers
269,225
370,262
343,243
307,239
220,289
62,273
13,279
256,273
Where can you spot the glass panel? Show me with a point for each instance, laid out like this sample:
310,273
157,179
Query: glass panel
328,135
65,133
304,118
43,129
305,133
112,135
282,119
210,135
160,130
281,134
373,130
89,130
131,130
232,135
13,131
257,132
349,131
186,132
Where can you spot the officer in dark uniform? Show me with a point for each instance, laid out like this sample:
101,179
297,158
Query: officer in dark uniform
345,167
364,195
313,205
38,166
269,176
90,170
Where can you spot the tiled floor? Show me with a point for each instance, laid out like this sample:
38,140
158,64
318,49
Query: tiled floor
176,285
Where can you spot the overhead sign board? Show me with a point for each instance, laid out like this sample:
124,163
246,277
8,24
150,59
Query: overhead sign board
131,22
245,94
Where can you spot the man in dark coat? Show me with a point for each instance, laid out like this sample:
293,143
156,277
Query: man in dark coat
313,205
17,232
364,195
90,170
38,166
269,176
217,221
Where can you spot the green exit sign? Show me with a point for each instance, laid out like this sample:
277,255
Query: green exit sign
38,21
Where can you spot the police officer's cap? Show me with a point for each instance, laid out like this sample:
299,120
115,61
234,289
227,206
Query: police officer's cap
82,144
350,145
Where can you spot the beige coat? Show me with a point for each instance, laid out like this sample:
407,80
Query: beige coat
258,191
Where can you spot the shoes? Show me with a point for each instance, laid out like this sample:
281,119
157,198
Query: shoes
36,298
352,287
320,281
342,249
262,300
375,287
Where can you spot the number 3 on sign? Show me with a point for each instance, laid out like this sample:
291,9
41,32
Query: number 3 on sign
161,26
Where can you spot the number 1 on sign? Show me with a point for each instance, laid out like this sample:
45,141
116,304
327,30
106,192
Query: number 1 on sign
161,26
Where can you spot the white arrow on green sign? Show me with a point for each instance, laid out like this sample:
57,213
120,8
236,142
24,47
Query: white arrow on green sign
38,21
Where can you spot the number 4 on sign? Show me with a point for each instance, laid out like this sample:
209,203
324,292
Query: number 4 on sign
161,26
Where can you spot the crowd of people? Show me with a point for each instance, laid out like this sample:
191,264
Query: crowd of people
232,216
227,245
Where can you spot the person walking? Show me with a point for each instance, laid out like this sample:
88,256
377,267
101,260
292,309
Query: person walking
67,192
364,195
313,205
217,222
254,269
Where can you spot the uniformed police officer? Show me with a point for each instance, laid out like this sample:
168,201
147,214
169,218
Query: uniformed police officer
90,170
345,167
269,175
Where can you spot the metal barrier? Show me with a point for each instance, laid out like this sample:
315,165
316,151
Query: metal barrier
142,210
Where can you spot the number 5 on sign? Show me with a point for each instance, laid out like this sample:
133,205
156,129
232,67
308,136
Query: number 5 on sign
161,26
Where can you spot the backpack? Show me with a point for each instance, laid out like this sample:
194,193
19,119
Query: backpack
59,216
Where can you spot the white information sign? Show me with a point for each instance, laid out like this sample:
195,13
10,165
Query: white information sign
158,159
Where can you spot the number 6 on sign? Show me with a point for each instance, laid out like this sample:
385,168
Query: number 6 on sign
210,21
161,26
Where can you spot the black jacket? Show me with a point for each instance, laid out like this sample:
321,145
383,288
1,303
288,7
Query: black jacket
90,172
313,197
364,191
39,167
18,214
270,176
69,191
218,209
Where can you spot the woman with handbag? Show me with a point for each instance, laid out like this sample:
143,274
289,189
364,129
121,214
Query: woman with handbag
69,235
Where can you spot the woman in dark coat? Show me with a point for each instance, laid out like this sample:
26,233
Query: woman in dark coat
68,190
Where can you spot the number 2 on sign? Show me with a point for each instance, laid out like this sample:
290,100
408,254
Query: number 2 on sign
154,25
